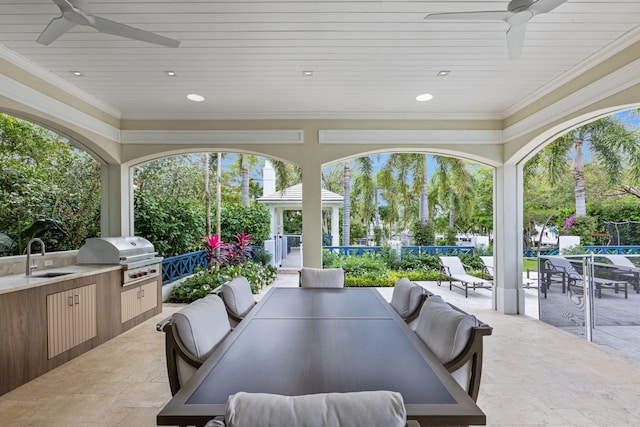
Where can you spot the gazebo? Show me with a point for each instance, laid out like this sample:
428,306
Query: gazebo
291,199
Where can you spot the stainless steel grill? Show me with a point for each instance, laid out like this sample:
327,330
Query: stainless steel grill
136,255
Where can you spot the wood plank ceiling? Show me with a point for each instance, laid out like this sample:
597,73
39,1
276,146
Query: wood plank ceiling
369,58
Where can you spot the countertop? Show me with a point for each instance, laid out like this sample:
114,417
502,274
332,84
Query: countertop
18,282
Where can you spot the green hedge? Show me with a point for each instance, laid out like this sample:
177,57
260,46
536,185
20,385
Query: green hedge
204,282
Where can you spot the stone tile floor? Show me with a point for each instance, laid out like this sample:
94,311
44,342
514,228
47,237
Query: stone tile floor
533,375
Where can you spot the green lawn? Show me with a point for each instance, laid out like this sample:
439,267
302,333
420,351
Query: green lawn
531,263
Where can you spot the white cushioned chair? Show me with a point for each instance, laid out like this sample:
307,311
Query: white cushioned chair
455,337
237,298
452,268
191,335
321,277
357,409
407,300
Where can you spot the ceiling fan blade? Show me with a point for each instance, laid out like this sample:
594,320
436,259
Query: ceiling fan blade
544,6
56,28
497,15
122,30
515,40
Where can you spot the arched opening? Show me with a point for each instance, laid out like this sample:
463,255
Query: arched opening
51,188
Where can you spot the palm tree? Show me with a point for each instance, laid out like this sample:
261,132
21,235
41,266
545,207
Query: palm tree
245,162
412,167
613,147
452,187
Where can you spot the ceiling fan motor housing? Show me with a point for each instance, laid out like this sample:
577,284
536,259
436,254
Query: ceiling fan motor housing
516,6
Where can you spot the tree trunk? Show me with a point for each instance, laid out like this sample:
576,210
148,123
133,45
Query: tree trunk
346,210
207,195
578,179
452,214
424,201
218,199
244,187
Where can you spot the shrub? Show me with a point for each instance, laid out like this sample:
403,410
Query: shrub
424,234
204,282
261,256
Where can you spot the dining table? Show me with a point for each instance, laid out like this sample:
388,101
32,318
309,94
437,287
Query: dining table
299,341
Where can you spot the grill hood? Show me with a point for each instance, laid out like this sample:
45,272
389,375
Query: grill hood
125,251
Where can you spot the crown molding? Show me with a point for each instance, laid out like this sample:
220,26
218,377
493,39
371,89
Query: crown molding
32,98
404,137
51,78
602,55
208,137
609,85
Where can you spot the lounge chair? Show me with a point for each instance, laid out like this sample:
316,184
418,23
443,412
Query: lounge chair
487,267
573,278
629,270
454,270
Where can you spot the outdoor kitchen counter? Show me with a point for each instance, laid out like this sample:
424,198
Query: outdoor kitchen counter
18,282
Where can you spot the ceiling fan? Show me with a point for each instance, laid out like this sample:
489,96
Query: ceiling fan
75,12
518,13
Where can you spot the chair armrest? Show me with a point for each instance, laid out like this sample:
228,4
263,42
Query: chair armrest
413,423
162,324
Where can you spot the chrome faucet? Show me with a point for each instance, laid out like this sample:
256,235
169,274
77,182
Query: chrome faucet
29,266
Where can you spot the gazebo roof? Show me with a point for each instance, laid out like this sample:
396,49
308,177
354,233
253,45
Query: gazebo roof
293,195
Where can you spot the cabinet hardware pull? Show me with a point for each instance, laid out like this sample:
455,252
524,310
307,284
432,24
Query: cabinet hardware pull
77,298
70,301
142,291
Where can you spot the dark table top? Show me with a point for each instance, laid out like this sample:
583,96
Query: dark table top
303,341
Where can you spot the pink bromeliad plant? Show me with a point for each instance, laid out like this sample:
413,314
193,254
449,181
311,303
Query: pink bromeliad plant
216,251
221,254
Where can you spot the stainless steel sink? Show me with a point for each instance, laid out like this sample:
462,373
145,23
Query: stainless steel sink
52,274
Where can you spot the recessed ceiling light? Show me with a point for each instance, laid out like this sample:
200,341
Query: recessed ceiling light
76,73
443,73
307,73
170,73
195,97
424,97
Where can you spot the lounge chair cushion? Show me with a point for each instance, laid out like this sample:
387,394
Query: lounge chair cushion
321,277
406,297
201,325
444,329
357,409
238,297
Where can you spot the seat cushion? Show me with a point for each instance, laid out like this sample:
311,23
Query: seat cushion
237,296
202,325
322,278
358,409
444,329
406,297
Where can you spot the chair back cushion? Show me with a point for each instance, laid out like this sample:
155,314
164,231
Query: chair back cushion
406,297
202,325
446,331
238,297
321,277
454,264
357,409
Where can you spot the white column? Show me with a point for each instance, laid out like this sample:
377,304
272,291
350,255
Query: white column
335,226
312,213
116,209
507,244
280,220
274,221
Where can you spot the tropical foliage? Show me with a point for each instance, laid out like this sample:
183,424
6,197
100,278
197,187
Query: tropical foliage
48,189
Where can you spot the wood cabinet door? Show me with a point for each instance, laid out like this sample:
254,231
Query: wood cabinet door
85,326
60,330
149,296
130,303
71,318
